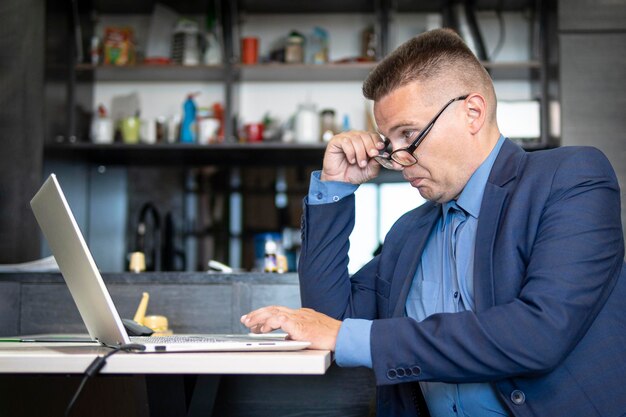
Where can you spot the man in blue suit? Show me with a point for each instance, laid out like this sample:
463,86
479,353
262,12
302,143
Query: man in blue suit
503,294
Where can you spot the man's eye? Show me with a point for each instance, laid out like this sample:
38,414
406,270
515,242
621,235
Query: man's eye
407,135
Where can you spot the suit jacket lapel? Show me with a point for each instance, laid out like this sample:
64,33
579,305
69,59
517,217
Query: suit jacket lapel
490,211
504,171
409,258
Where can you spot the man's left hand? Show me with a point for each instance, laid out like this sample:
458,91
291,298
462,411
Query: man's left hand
303,324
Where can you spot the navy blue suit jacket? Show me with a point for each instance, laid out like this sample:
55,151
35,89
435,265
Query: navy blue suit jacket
549,326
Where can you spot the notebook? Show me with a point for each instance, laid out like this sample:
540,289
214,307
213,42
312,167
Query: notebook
93,299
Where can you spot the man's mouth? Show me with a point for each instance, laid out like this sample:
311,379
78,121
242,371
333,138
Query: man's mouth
415,181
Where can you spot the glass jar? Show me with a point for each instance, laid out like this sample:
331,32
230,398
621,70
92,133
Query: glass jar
294,50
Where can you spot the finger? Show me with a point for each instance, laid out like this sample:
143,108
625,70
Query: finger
273,323
379,142
371,142
361,150
262,314
345,143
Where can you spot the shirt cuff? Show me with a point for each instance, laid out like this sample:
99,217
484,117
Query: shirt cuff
353,343
324,192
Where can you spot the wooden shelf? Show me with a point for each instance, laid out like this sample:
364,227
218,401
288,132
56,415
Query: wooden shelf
300,7
138,73
513,70
275,72
435,6
183,154
305,72
367,6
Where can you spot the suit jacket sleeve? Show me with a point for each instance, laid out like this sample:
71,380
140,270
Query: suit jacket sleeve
325,285
573,264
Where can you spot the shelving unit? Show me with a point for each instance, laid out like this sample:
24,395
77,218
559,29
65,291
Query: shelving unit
231,73
72,145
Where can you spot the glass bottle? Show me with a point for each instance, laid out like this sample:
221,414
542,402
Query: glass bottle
328,124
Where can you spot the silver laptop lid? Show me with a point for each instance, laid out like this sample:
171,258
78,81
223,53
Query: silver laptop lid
77,265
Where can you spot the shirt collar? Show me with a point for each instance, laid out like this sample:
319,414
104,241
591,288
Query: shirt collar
471,197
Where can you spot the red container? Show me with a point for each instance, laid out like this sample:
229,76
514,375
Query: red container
249,50
254,132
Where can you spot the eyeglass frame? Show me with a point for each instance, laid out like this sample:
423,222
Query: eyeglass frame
383,159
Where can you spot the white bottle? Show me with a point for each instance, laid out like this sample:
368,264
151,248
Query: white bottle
101,127
213,51
307,124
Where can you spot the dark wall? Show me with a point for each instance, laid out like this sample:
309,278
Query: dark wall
592,38
21,131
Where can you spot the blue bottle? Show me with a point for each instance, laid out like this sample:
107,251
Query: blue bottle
188,127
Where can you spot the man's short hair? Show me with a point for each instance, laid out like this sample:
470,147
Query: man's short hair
438,57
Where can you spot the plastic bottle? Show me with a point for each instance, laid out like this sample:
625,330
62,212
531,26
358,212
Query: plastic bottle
307,124
345,125
188,127
102,127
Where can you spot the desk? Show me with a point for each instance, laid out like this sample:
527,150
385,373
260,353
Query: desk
139,384
64,358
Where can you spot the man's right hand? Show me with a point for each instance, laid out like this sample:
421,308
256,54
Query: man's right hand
349,157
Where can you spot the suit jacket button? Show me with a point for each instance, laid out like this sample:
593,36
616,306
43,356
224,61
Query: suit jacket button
518,397
391,374
400,372
416,370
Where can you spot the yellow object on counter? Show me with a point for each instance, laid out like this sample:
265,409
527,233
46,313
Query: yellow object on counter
140,314
157,323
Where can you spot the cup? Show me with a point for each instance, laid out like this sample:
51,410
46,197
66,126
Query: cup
161,129
148,131
102,131
173,128
207,130
249,50
254,132
130,130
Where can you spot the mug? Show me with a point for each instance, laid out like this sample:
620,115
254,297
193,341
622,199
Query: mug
254,132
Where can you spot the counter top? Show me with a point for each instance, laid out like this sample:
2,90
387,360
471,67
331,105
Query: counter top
174,278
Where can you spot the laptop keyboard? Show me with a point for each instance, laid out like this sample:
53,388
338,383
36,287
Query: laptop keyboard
176,339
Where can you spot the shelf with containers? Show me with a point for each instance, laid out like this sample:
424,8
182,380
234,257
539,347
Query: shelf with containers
234,17
249,91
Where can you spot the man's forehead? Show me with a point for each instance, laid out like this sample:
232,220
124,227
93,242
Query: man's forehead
400,111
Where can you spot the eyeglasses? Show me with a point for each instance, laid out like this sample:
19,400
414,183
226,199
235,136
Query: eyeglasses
404,156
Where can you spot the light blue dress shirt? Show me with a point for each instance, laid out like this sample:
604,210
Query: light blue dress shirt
443,282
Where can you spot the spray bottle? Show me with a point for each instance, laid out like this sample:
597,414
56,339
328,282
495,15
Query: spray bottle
188,127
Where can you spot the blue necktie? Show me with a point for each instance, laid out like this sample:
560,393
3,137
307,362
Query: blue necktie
458,217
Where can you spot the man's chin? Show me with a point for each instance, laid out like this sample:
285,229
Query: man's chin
428,193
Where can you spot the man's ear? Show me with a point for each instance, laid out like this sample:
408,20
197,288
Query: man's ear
476,112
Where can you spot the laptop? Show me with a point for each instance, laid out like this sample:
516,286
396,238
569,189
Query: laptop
93,299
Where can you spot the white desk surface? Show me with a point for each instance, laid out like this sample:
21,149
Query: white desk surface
64,358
